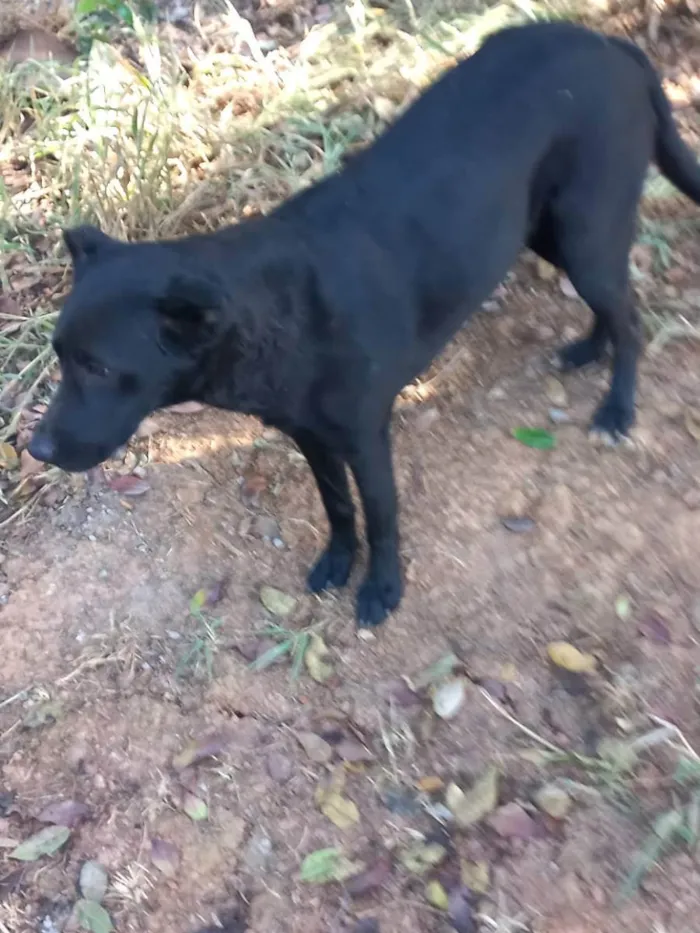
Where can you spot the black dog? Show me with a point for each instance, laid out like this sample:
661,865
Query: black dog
315,317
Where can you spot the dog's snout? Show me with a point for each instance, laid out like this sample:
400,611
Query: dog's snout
42,447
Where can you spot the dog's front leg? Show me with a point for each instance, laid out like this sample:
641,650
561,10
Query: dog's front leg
381,590
334,566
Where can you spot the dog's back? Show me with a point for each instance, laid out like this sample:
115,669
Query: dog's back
450,193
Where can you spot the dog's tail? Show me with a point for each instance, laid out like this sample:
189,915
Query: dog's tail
674,159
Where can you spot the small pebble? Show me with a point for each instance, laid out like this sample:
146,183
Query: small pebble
557,416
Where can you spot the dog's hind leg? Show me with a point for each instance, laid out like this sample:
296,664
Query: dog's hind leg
544,241
334,566
597,265
590,349
595,218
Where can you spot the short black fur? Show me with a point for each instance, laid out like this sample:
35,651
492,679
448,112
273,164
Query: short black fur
315,317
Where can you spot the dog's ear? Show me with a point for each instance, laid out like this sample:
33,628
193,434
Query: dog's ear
189,310
85,243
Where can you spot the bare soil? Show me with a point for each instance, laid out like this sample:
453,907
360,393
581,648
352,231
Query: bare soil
95,589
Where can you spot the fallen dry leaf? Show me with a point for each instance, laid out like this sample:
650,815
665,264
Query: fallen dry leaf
430,784
194,807
654,627
437,895
93,881
403,696
341,811
468,807
64,813
556,393
513,822
165,856
327,865
277,601
208,746
353,751
9,460
267,528
279,767
128,485
207,597
258,852
317,749
367,925
36,45
442,668
45,842
316,659
570,658
553,800
371,878
252,488
475,876
421,856
9,306
93,917
255,649
495,688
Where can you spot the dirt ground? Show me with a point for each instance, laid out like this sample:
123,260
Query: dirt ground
108,673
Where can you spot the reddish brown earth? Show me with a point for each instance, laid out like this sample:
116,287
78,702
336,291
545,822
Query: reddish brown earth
95,590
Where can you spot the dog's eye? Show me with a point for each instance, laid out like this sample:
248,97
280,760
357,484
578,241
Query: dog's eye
90,365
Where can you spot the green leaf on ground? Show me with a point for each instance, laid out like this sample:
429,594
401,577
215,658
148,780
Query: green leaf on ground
539,438
45,842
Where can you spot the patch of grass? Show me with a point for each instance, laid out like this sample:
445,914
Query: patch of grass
290,646
673,828
197,658
665,327
612,772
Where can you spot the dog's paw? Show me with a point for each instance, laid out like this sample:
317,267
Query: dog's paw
378,596
578,354
332,570
611,425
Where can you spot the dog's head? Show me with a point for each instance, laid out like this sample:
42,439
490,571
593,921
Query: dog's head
128,338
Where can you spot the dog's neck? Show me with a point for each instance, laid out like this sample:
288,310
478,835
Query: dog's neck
254,366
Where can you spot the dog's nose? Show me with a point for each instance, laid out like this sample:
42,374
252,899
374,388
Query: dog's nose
41,447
